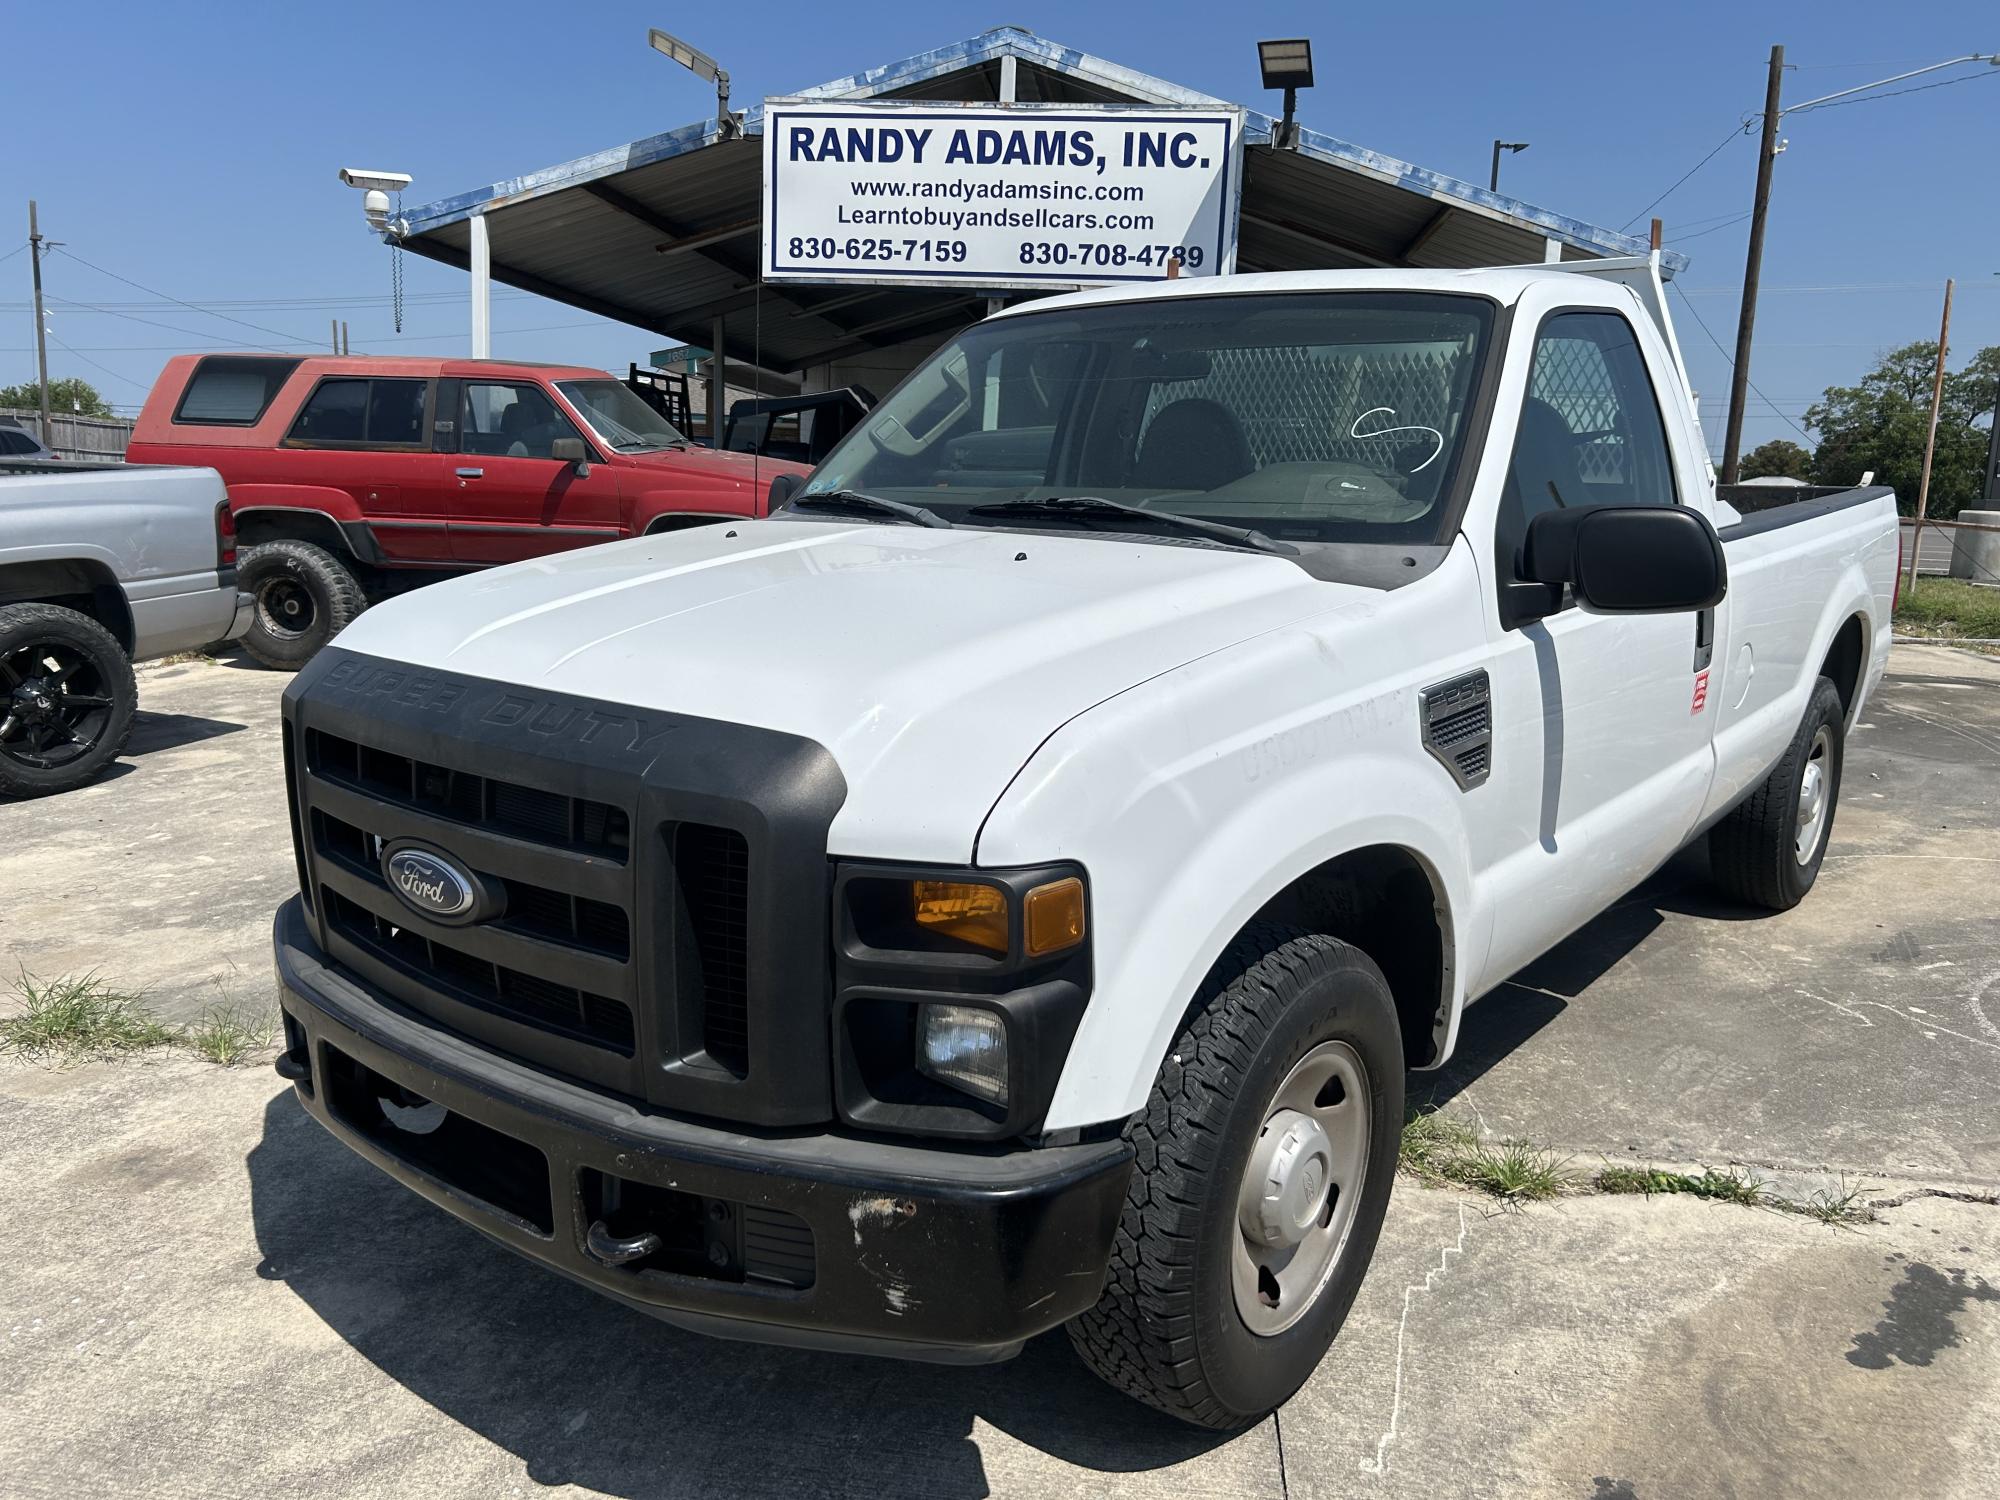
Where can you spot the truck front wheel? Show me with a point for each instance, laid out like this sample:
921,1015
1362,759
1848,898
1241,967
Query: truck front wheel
1767,851
1265,1158
305,597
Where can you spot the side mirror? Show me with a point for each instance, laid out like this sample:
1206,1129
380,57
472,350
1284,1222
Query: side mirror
571,451
783,487
1629,559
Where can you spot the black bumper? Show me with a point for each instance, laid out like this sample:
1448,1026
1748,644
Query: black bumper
915,1250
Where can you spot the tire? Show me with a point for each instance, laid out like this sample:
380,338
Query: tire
305,597
1170,1328
67,697
1767,851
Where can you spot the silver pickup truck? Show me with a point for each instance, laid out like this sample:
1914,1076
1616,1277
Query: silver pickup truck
100,566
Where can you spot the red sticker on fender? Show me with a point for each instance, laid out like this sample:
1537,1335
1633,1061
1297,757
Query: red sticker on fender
1700,693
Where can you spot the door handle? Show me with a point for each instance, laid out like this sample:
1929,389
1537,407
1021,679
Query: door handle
1704,638
471,473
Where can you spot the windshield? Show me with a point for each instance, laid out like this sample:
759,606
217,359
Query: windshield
620,419
1308,416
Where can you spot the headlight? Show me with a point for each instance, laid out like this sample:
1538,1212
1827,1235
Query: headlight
957,992
966,1047
975,914
1003,919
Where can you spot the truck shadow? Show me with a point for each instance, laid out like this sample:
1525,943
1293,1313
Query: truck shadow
155,731
589,1393
1511,1015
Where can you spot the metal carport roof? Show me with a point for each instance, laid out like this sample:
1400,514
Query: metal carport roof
663,233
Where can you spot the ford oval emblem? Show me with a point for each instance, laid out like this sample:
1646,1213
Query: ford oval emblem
430,882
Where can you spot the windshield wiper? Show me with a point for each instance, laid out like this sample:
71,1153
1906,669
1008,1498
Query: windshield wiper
915,515
1085,507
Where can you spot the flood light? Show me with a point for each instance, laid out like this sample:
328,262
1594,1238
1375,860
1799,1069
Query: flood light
701,65
1287,65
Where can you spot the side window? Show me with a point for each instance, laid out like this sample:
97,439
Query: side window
1591,431
511,421
336,412
348,411
230,390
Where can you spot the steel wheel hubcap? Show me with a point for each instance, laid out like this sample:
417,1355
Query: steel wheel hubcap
286,607
1301,1189
1813,799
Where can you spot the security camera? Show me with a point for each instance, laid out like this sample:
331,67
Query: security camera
388,182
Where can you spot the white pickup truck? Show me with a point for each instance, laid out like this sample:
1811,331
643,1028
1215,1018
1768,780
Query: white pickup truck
1007,888
101,565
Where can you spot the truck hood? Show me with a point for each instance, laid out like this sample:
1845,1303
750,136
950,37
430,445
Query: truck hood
930,662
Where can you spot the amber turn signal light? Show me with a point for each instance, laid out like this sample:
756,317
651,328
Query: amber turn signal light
971,913
1054,917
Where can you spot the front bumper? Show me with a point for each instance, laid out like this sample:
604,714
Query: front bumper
915,1250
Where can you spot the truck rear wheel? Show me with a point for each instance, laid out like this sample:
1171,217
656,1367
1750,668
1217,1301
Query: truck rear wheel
1767,851
67,698
305,597
1265,1160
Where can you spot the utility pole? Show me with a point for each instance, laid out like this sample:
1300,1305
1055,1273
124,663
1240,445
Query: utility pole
1930,437
1992,491
1739,381
41,325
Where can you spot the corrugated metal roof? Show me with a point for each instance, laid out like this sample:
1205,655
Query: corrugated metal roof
662,233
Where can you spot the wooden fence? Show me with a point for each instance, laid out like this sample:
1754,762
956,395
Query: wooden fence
101,439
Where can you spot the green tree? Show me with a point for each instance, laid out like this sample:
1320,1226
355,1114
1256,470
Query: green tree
1780,458
1880,425
65,396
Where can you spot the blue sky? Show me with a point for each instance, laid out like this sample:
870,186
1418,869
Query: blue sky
193,149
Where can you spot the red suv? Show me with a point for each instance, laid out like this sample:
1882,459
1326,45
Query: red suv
353,477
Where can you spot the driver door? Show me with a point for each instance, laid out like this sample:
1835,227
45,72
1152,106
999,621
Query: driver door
1602,755
514,498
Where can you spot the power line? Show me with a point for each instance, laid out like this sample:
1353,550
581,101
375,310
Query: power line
300,303
173,327
142,385
1849,286
1696,315
191,306
1871,98
421,338
1740,129
1681,239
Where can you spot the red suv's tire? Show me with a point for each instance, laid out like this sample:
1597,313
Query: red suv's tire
305,597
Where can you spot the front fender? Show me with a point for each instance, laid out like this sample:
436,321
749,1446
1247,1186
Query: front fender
1186,833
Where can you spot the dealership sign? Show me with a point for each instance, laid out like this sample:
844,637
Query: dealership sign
1010,196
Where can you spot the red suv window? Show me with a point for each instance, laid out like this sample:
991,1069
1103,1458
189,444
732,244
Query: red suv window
352,412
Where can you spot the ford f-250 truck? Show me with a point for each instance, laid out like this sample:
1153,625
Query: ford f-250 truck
1007,887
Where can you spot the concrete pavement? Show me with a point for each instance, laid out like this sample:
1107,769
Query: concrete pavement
201,1294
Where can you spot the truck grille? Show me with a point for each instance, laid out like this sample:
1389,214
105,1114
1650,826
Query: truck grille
712,870
651,924
524,811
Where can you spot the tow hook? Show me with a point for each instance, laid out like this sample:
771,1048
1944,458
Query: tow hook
609,1249
291,1069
